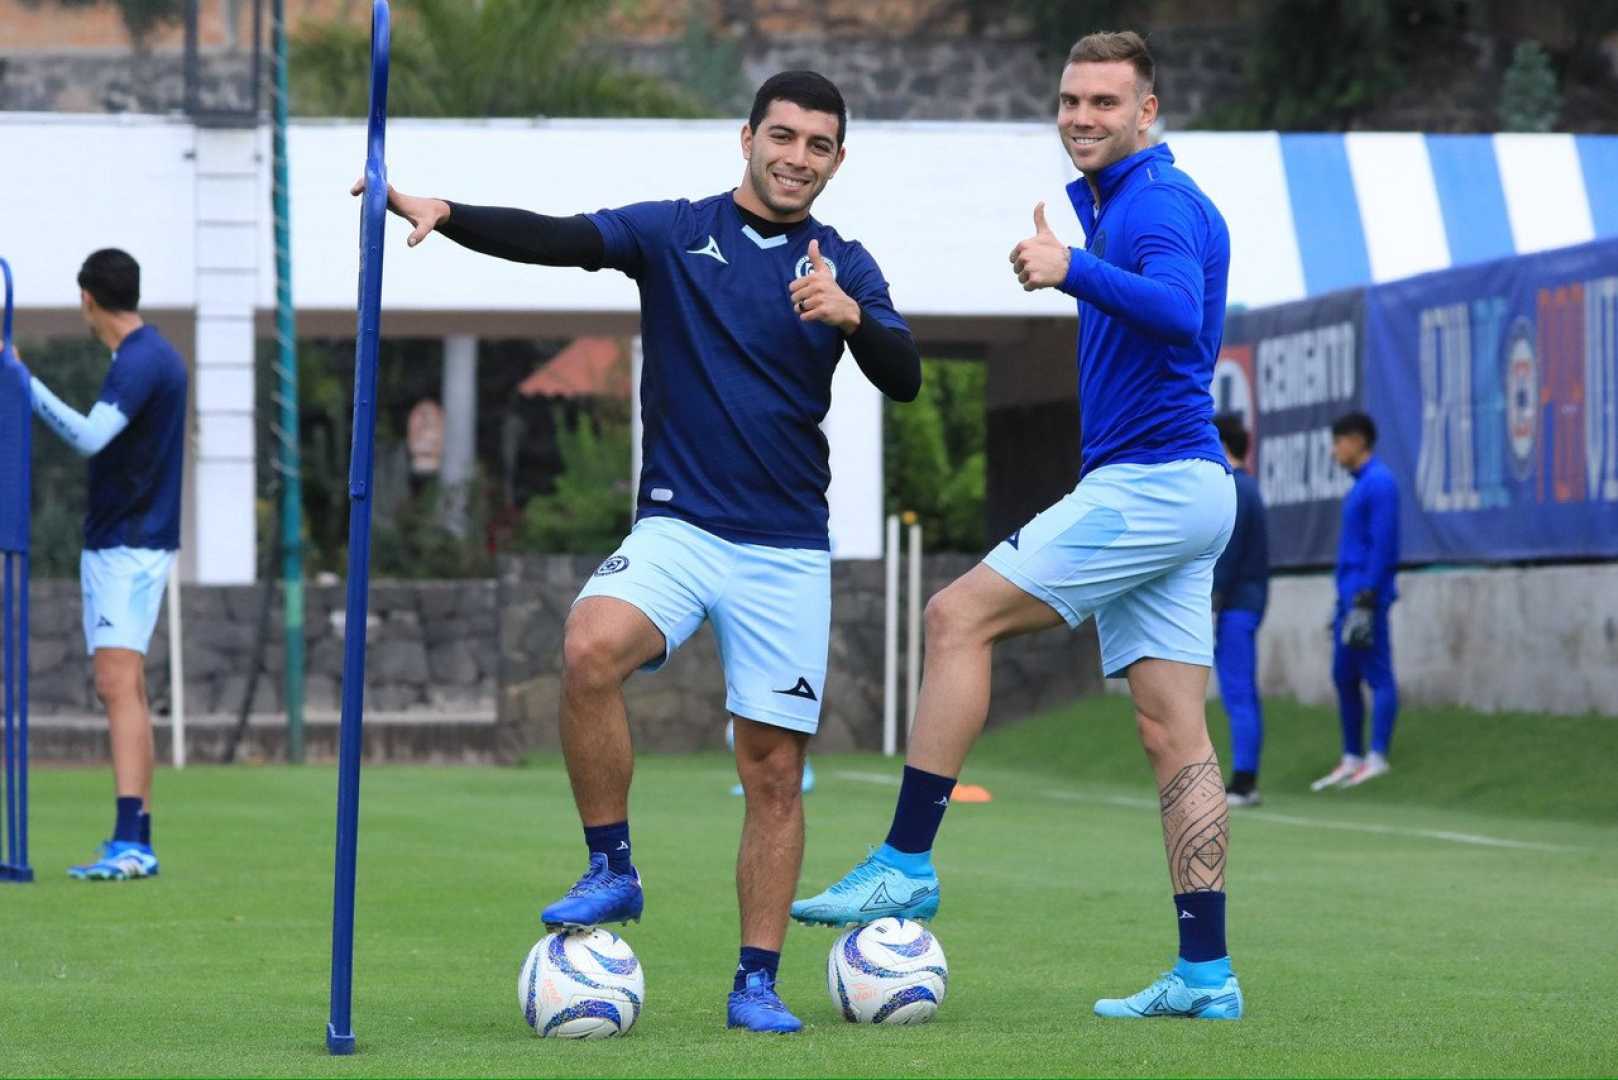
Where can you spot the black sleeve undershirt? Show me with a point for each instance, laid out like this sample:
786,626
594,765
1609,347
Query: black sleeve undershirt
526,237
888,357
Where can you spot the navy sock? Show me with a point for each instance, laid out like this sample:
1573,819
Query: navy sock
755,960
146,828
1202,925
923,798
126,827
611,841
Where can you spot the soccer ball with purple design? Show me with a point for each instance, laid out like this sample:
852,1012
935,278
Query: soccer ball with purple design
891,971
581,985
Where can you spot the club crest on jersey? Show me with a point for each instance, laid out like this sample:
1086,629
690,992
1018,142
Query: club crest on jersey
612,566
804,266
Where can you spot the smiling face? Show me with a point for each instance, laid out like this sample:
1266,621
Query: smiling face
791,157
1103,113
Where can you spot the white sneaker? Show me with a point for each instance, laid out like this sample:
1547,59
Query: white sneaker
1340,775
1251,798
1375,765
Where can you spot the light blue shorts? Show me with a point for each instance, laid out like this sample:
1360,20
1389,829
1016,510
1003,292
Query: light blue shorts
123,592
770,608
1135,546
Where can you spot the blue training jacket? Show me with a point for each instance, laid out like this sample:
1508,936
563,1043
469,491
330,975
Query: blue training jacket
1242,575
1151,291
1368,548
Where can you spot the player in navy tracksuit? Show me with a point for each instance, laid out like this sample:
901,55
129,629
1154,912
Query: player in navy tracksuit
1133,544
747,305
1241,589
134,436
1367,557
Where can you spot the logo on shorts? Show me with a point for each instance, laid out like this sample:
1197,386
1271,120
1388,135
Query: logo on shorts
103,621
1013,538
612,566
801,689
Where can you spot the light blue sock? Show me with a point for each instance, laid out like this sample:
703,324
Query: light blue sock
913,863
1207,975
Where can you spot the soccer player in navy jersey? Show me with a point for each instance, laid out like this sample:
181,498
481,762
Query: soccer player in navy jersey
1134,544
747,303
134,437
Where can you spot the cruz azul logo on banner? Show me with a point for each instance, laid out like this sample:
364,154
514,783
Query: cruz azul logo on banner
1531,400
1499,387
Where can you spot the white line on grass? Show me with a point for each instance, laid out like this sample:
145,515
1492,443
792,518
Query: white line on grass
1135,802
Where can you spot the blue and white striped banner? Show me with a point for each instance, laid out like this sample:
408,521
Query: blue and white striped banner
1313,213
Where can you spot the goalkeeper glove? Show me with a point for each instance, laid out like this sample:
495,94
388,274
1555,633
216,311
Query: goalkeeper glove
1358,626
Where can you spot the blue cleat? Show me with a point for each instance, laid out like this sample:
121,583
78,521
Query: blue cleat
756,1007
1170,996
120,860
872,890
600,896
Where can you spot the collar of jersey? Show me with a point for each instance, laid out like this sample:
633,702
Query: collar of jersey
744,219
1113,179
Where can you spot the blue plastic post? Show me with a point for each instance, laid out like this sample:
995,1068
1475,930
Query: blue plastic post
374,206
16,422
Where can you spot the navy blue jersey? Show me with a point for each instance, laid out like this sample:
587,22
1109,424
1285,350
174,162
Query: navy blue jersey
135,479
1242,574
1151,291
734,385
1368,546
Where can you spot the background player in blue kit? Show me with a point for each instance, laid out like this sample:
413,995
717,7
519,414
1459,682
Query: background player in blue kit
1362,645
134,437
747,303
1241,591
1135,542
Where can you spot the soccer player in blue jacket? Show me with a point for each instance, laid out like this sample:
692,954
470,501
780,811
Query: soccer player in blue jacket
1362,648
1241,589
1134,544
747,303
134,437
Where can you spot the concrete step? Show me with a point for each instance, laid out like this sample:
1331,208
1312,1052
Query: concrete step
469,738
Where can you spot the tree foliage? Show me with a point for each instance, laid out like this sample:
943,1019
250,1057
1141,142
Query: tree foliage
1529,99
495,58
934,455
590,508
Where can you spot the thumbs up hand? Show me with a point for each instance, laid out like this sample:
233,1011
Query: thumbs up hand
1041,261
817,297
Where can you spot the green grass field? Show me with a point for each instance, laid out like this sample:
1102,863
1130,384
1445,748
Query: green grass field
1457,918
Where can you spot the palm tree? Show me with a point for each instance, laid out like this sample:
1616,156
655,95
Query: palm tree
489,58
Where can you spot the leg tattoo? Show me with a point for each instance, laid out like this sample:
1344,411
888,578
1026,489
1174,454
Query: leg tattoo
1196,827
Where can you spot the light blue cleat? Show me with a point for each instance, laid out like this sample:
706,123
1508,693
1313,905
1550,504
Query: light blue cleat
600,896
757,1007
120,860
1170,996
872,890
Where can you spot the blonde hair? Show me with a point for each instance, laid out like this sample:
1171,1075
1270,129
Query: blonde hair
1106,47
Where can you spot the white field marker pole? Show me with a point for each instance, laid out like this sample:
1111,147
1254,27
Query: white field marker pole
890,642
913,627
176,671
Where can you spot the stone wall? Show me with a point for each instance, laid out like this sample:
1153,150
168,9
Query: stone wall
431,649
918,77
682,707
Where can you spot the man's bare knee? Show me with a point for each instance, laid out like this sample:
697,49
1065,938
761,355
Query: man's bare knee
117,683
950,620
1164,737
591,656
771,769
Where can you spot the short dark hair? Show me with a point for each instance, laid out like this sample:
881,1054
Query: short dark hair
1233,434
1107,47
805,89
1355,423
112,278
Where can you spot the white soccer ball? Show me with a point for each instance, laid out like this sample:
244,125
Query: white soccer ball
581,985
891,971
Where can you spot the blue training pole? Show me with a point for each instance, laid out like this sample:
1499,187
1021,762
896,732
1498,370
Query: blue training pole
16,423
374,207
